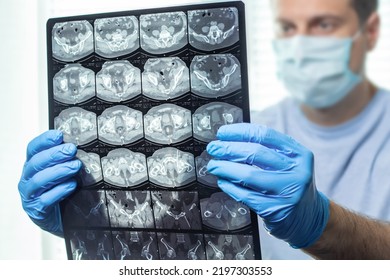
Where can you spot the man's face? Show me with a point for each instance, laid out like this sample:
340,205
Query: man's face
333,18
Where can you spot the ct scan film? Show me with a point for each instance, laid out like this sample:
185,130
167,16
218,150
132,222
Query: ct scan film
141,93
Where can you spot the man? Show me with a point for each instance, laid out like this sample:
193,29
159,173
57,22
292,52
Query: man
336,112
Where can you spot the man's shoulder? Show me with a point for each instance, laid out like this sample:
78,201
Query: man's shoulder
272,114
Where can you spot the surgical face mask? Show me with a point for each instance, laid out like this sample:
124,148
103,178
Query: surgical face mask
315,70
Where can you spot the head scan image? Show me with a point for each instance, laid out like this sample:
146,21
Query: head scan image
165,78
181,246
213,29
91,245
120,125
91,172
78,125
118,81
72,40
202,174
135,245
124,168
130,209
229,247
209,118
116,36
168,124
215,75
221,212
74,84
163,33
176,210
86,208
171,168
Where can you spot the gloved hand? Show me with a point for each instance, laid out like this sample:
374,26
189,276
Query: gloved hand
273,175
47,178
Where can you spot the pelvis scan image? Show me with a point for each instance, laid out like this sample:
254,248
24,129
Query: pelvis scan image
171,168
74,84
210,117
72,40
163,33
124,168
118,81
116,36
167,124
215,75
213,29
78,125
165,78
120,125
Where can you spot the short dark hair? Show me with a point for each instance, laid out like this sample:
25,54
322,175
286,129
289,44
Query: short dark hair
364,8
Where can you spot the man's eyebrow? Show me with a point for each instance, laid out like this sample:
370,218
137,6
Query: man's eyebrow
315,18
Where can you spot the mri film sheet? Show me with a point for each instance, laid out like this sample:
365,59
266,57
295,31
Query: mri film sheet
141,93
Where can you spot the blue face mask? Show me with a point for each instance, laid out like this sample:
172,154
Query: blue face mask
315,70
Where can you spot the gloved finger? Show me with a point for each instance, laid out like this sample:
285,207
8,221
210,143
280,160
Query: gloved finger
245,132
58,193
48,158
44,141
247,176
49,177
249,153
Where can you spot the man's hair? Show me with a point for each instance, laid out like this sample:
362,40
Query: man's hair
364,8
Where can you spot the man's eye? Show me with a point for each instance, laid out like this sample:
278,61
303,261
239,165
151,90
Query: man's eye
326,26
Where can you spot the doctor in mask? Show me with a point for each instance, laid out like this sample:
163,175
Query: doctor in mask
334,110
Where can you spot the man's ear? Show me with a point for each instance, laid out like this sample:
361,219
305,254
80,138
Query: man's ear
373,30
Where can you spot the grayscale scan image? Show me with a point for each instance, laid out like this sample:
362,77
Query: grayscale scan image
87,208
213,29
91,172
215,75
116,36
118,81
72,40
165,78
78,125
163,32
120,125
142,93
91,245
221,212
176,210
210,117
74,84
181,246
135,245
130,209
229,247
171,168
168,124
124,168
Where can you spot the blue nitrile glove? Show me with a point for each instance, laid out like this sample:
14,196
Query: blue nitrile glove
272,174
47,179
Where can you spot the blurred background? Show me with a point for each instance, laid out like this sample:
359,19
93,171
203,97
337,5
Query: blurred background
24,102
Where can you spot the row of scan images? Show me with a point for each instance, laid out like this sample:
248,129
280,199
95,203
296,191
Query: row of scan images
168,168
173,210
209,76
163,124
135,245
205,30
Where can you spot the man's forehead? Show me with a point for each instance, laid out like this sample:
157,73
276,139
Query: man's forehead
286,9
